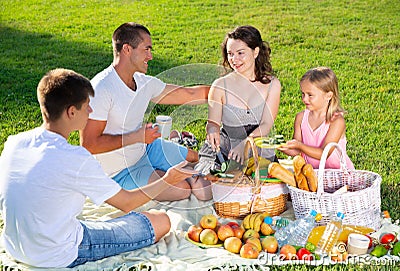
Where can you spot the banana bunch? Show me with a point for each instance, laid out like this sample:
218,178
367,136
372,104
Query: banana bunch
251,166
254,221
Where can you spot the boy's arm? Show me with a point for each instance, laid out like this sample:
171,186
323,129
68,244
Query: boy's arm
127,200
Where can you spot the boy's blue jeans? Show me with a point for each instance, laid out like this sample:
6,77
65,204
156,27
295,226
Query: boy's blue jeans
103,239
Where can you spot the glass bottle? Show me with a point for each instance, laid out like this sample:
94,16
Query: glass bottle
330,235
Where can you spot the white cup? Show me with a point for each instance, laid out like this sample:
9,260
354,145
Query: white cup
357,244
164,124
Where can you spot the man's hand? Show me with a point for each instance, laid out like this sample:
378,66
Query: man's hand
178,173
150,133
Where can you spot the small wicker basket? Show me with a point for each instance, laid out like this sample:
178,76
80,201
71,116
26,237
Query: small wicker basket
240,196
361,204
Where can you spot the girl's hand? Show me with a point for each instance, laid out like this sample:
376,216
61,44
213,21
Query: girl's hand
237,153
291,147
292,144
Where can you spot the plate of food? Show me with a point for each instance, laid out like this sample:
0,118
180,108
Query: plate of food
274,142
199,244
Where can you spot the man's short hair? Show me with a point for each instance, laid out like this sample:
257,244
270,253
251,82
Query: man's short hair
61,88
128,33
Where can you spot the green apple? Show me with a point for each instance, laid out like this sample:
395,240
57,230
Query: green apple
208,237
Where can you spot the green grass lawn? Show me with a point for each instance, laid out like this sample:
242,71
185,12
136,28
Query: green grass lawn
359,40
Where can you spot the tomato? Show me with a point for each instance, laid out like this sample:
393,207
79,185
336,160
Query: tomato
371,241
304,254
388,239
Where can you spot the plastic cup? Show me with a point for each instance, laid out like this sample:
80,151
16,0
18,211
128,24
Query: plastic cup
357,244
164,124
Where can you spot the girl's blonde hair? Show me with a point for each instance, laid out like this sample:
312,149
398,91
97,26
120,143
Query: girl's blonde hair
325,79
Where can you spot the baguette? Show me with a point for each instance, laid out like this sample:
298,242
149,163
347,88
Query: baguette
312,179
276,170
298,163
301,181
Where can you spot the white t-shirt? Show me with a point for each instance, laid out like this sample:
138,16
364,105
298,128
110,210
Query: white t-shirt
124,110
44,182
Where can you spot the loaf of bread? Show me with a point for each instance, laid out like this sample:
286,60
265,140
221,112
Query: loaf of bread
298,163
311,177
301,180
276,170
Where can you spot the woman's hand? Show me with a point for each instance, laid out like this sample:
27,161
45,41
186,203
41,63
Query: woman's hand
237,153
213,136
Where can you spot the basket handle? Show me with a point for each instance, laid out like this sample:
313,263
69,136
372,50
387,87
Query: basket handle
251,144
322,163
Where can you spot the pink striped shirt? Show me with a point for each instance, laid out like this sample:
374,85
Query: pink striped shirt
315,138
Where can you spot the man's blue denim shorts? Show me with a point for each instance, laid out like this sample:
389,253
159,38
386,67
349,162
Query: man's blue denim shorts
160,155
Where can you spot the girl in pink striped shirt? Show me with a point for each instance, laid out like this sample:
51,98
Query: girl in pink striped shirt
321,122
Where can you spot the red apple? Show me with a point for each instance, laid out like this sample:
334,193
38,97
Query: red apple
225,231
255,241
194,232
249,233
287,252
208,237
270,244
233,244
249,251
209,221
238,232
233,224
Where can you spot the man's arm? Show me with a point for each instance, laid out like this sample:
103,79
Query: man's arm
173,94
95,141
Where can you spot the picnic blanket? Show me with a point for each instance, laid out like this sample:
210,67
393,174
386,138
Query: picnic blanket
173,252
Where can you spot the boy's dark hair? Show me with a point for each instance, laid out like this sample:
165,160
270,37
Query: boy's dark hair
61,88
128,33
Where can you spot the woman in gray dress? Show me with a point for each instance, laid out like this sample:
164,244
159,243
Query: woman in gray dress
242,103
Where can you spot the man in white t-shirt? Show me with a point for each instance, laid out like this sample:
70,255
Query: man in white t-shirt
130,151
44,182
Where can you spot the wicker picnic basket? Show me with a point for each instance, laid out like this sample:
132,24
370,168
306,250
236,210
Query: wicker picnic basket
361,204
240,196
